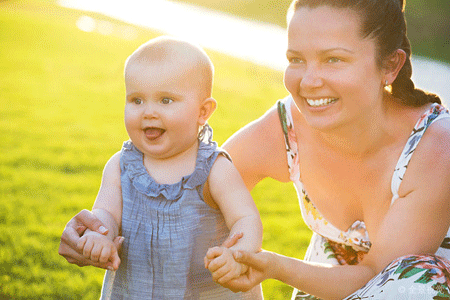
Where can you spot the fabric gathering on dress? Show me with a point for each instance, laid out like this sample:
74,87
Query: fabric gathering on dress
408,277
167,229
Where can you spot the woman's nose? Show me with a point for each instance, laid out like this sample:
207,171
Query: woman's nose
312,78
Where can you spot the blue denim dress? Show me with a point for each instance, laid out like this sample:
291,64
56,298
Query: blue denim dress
168,228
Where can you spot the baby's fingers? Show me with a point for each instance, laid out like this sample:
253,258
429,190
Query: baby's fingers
105,254
216,264
88,248
214,252
219,273
96,252
81,242
231,274
206,261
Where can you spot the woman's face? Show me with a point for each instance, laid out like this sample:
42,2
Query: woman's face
332,73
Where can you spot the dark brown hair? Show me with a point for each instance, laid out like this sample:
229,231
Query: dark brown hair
384,21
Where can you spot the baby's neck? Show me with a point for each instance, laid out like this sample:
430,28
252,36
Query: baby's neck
171,170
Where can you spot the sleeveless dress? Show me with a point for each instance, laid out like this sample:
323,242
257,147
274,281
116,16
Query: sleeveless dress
167,229
408,277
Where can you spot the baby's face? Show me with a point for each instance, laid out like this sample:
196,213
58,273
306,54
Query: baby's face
162,110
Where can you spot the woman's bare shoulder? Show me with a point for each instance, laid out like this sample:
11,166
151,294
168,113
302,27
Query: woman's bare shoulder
430,163
258,149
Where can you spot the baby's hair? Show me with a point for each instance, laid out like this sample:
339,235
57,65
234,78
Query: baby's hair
190,57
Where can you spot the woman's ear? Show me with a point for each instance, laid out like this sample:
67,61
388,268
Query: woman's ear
207,107
393,65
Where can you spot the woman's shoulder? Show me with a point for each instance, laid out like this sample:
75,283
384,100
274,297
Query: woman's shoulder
259,149
430,159
436,139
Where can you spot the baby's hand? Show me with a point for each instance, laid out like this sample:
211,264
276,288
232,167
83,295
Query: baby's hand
220,262
98,247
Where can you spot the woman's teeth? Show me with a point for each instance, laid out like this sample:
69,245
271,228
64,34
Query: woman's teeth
321,102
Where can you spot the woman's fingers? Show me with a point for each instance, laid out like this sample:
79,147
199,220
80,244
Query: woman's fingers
254,260
118,241
114,261
69,241
86,218
232,240
72,232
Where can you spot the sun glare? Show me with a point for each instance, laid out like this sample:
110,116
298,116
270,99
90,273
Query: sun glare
260,43
89,24
238,37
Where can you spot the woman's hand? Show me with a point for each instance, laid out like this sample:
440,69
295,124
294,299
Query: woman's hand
73,232
261,267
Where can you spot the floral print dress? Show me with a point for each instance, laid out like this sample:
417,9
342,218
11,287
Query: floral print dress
408,277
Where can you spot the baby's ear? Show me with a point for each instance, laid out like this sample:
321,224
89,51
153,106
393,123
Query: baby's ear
207,107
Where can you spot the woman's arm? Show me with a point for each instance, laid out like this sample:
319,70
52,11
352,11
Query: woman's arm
258,150
322,280
415,224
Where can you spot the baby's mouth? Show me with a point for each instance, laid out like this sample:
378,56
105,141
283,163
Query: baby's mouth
152,133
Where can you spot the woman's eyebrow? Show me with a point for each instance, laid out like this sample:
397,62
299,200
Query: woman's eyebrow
337,49
290,51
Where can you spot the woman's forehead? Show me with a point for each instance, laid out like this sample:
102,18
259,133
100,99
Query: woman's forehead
324,25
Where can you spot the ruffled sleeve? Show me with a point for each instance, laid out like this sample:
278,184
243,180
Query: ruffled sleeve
132,166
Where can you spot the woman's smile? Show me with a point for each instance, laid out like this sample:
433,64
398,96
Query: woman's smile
322,102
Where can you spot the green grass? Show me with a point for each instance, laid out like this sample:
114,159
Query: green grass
428,21
61,118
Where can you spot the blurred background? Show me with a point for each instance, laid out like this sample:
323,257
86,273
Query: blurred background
61,108
428,21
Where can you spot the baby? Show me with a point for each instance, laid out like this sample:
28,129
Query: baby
171,192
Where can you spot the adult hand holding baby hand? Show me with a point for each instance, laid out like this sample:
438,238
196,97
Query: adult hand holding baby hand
260,267
72,233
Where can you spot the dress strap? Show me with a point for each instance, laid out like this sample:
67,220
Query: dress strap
434,113
284,113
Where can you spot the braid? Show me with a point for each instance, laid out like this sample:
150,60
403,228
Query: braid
403,88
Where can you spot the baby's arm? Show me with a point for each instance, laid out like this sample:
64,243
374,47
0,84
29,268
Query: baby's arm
108,208
229,192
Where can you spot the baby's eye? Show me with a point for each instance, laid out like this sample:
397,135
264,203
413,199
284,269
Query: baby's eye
166,101
137,101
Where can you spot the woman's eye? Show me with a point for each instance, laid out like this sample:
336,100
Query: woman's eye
295,60
166,101
333,60
137,101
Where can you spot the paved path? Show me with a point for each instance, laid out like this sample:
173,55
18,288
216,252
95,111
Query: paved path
261,43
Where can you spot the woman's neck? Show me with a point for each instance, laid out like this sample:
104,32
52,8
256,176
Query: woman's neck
390,124
362,136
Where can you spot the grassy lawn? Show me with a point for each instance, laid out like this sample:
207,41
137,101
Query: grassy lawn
61,103
428,21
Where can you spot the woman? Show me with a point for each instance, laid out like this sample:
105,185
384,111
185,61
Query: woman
368,153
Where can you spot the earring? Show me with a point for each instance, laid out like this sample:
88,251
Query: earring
386,83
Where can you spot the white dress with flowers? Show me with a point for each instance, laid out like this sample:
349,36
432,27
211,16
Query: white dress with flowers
408,277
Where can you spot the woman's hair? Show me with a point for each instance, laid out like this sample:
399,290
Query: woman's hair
384,21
